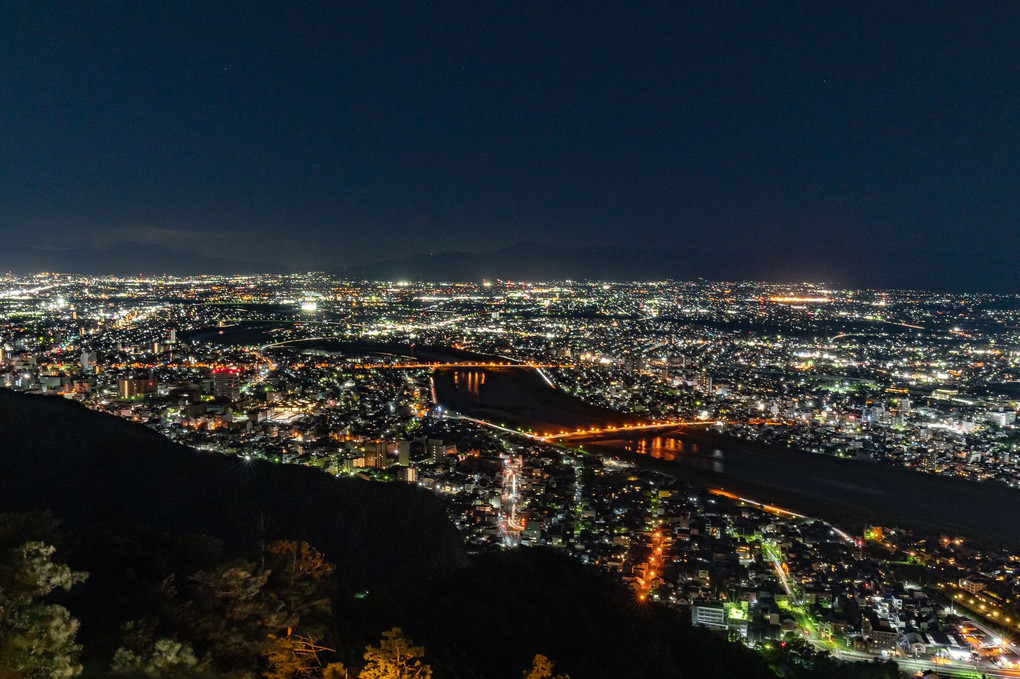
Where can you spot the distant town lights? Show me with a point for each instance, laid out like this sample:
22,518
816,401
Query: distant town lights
794,300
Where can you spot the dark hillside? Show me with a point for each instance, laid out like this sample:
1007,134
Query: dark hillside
535,600
88,468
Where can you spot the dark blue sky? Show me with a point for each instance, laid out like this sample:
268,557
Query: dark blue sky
856,136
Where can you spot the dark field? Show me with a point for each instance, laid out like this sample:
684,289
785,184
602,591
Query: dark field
419,352
268,332
242,334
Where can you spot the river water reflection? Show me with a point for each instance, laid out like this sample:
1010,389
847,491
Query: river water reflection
868,490
674,449
841,490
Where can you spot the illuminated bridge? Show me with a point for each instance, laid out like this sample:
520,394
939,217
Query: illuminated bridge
623,429
458,364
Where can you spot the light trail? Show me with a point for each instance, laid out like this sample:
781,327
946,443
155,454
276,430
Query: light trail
777,565
518,432
544,377
511,525
781,512
761,505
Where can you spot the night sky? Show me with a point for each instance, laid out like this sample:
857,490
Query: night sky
852,139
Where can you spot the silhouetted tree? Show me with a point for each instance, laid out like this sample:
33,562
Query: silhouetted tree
37,639
542,668
395,658
144,654
230,613
293,656
300,578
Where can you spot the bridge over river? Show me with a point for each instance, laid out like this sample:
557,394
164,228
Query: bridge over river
522,399
848,493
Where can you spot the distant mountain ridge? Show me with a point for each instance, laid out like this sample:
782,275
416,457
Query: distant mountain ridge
125,259
534,261
876,268
519,261
527,261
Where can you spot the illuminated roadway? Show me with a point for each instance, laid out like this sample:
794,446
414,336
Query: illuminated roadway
580,433
623,429
459,364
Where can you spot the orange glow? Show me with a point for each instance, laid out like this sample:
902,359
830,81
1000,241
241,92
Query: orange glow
791,300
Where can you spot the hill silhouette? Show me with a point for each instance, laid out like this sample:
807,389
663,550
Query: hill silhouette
89,468
587,622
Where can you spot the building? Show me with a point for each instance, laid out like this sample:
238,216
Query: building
972,584
434,450
375,455
1001,419
88,361
408,474
227,383
131,387
711,615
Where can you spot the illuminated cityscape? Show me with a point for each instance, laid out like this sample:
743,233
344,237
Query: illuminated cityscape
569,415
509,340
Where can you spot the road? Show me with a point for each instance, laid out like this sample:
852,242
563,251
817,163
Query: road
950,668
777,564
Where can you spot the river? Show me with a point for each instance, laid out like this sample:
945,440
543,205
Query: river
847,492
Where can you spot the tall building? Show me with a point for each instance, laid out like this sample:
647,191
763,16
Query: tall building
434,450
375,455
227,383
88,361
